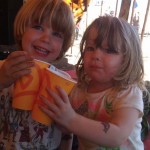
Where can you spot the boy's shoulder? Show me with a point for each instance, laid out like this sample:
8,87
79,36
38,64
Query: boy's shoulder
1,62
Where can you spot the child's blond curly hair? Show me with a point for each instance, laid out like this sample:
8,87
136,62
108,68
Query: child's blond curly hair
56,12
123,38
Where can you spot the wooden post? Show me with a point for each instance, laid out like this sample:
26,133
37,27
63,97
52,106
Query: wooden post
132,14
116,8
124,10
86,10
101,10
145,20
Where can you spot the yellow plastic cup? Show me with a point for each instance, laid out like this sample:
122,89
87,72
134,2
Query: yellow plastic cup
27,87
51,80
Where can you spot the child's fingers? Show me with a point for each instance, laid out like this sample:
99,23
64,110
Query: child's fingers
48,112
16,62
58,101
17,70
17,54
18,57
22,66
20,73
63,94
51,109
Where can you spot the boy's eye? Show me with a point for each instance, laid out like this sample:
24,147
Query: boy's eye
58,34
38,27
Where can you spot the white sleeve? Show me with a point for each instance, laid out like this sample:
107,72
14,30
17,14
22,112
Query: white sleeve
131,97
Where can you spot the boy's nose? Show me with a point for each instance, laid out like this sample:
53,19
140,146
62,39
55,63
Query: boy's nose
46,37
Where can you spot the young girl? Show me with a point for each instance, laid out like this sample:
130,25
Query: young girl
43,29
108,97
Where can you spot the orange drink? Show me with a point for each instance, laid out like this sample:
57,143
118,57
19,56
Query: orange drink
52,78
27,87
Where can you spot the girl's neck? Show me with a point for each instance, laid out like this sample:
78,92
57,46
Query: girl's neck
95,87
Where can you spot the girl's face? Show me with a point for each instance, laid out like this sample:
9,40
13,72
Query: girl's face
100,64
42,43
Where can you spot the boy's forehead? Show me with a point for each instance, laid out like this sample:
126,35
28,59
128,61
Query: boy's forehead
45,22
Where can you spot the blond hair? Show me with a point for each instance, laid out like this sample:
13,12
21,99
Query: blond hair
123,38
56,12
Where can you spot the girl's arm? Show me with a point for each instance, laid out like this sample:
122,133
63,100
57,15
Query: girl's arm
111,133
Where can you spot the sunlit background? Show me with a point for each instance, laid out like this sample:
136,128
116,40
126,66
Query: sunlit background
98,8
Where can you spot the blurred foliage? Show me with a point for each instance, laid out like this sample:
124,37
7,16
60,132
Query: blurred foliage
146,117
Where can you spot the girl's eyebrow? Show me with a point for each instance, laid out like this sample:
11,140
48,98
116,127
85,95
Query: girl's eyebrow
92,41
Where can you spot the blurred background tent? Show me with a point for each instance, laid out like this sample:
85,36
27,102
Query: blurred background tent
78,8
126,11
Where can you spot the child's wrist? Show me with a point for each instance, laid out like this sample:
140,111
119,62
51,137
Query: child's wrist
1,87
67,137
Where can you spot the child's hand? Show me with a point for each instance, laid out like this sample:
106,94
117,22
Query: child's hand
61,110
17,64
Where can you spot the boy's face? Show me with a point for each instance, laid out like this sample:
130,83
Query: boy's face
42,42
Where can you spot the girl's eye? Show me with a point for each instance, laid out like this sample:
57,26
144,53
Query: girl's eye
89,48
109,51
58,34
38,27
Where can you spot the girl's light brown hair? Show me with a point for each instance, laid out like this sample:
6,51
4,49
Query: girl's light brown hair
56,12
122,38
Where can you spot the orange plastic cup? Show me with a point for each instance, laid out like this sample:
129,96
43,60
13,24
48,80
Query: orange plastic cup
27,87
51,80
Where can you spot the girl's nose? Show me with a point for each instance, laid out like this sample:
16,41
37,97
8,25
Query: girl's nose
96,55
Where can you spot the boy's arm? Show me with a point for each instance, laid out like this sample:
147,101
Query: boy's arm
66,142
1,87
17,64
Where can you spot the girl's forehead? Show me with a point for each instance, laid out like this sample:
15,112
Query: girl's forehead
92,35
93,31
95,37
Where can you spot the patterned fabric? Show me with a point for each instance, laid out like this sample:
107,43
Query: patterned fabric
78,8
19,132
97,106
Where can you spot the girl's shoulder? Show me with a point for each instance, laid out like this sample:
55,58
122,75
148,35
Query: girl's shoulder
130,97
131,91
76,91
